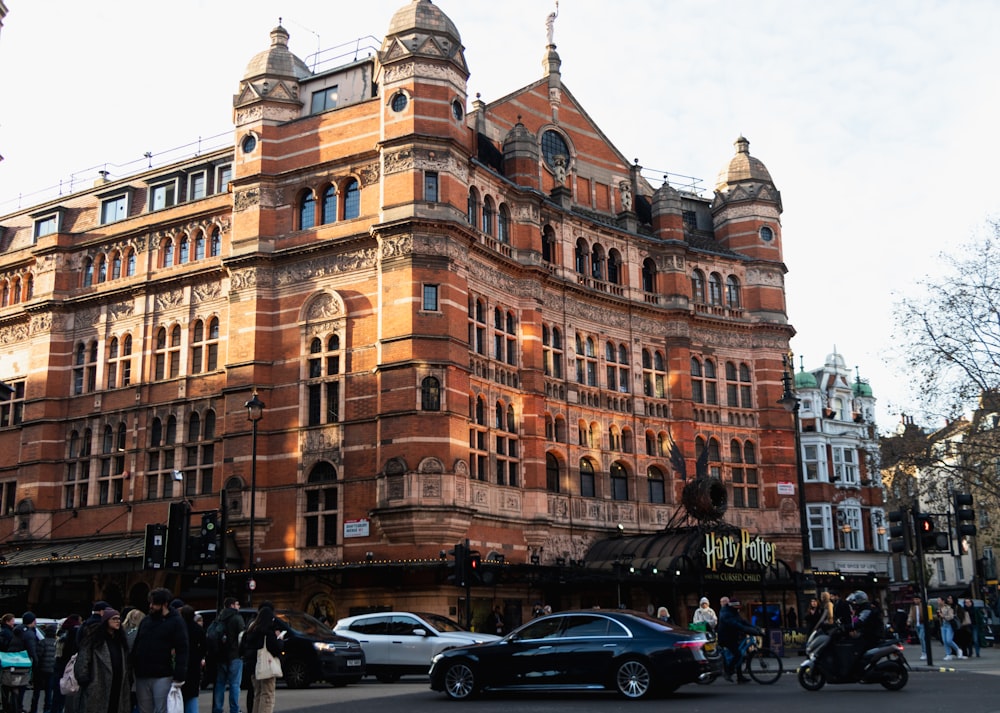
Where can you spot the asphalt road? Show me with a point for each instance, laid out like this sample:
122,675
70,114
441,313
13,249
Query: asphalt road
928,691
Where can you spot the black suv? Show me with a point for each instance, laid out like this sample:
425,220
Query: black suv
312,651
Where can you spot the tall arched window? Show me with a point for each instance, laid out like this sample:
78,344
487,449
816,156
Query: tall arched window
215,247
587,489
549,244
648,275
168,252
183,254
489,216
619,482
472,208
116,265
324,381
733,292
352,200
307,211
430,394
698,286
130,263
320,516
503,224
88,273
199,246
657,491
478,456
582,254
597,262
614,267
552,474
330,204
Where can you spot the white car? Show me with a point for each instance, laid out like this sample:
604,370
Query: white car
401,643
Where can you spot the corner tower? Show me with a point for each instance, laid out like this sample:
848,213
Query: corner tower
422,79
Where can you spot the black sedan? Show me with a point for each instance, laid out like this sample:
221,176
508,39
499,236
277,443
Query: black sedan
598,649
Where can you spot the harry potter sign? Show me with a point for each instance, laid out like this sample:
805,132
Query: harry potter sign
732,551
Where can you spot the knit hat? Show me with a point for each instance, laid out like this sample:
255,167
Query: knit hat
100,605
176,603
27,618
107,614
703,600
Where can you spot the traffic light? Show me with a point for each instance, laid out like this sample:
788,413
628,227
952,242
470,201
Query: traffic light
178,524
475,572
459,575
930,539
208,543
965,516
154,551
900,538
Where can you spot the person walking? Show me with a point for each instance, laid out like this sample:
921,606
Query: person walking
813,613
66,645
704,614
25,632
265,631
196,659
43,675
228,664
102,667
946,617
160,655
978,618
916,620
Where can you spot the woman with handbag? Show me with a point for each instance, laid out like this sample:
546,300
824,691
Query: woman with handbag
261,642
102,667
946,615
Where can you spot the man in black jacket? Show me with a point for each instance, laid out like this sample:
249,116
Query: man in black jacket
731,632
160,654
228,664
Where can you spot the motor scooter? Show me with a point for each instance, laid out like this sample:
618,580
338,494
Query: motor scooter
833,657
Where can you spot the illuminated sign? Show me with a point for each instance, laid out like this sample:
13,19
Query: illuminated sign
737,551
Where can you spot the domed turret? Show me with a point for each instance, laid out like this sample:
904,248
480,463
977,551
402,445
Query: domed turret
277,61
805,380
420,28
742,167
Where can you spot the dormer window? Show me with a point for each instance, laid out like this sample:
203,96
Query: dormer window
46,225
223,175
197,186
163,195
324,100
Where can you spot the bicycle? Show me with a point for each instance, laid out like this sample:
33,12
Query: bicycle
758,662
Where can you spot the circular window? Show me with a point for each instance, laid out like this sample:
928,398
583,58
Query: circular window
249,143
457,109
766,234
399,102
553,144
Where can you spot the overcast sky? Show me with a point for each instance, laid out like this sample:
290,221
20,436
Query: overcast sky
876,120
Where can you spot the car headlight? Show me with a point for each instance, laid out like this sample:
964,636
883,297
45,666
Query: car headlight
324,647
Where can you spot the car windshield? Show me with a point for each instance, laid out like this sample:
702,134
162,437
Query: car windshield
303,623
441,623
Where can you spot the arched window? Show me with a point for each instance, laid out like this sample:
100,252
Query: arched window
715,289
657,491
130,263
619,482
614,267
320,516
116,265
215,247
648,275
330,204
697,384
199,246
548,244
168,252
324,381
698,286
733,292
88,273
184,250
552,474
582,254
100,268
472,208
352,200
597,262
745,483
307,211
503,224
489,216
587,489
430,394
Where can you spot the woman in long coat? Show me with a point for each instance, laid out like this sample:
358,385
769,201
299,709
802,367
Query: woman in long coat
102,667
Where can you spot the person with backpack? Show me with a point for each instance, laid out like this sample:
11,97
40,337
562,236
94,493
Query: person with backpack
27,636
222,642
66,646
44,672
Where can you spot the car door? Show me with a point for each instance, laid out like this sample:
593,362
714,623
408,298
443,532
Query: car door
405,646
588,645
373,634
530,656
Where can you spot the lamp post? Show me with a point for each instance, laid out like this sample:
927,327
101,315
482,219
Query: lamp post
791,404
255,412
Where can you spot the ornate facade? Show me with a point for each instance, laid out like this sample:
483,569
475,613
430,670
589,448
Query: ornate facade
467,320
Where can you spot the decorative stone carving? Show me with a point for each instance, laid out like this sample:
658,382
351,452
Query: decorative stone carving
430,465
249,114
207,291
395,466
396,246
430,487
13,333
246,198
120,309
324,306
369,174
41,323
166,300
302,273
395,488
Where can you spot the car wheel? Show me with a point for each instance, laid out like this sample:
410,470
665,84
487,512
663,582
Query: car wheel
387,677
633,679
296,673
459,681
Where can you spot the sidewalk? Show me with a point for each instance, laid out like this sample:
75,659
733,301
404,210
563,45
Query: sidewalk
988,660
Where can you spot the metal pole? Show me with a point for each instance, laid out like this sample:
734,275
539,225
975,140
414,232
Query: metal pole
220,595
923,581
251,583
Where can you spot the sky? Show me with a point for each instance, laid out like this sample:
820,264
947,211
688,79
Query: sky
876,120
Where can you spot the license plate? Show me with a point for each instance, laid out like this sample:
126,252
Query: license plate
354,662
710,647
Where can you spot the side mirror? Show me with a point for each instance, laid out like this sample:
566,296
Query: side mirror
420,632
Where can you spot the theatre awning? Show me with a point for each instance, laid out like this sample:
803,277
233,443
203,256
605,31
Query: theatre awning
122,554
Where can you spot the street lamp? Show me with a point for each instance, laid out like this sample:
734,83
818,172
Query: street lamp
791,404
255,412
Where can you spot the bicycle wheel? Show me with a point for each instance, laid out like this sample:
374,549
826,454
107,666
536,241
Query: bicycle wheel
764,666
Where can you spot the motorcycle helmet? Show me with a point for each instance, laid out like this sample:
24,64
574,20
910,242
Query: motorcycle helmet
857,598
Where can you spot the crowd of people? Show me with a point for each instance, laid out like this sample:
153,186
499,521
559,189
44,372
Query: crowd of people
131,663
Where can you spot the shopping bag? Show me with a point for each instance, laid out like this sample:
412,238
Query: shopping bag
68,683
268,665
175,700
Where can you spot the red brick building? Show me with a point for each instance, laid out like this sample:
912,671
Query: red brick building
467,320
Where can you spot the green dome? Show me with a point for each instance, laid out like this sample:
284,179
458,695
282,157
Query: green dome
862,388
805,380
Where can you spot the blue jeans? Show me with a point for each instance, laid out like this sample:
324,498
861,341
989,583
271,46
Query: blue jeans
191,705
922,636
948,639
228,675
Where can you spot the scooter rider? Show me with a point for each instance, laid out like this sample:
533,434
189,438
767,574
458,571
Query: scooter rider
866,625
